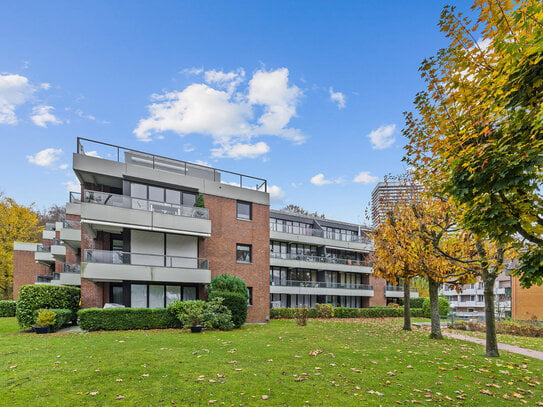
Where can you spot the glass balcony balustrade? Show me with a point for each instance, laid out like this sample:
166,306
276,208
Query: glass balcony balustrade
143,259
43,248
123,201
71,268
319,259
320,284
308,231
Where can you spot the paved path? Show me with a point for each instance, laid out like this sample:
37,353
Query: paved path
509,348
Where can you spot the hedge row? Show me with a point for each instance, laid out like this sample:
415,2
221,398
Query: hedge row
62,317
8,308
34,297
109,319
343,312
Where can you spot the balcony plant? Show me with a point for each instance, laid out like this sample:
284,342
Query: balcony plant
45,319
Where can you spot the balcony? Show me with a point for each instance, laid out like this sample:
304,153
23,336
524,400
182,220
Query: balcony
321,288
58,250
71,274
319,263
396,291
70,234
43,254
102,211
103,265
319,237
49,231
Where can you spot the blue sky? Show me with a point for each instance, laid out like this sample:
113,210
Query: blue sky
306,94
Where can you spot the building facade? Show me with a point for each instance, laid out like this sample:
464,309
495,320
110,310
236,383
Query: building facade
387,194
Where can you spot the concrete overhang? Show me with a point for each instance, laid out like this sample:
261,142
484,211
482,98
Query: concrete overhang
320,266
274,289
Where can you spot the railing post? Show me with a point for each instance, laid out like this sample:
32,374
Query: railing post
118,154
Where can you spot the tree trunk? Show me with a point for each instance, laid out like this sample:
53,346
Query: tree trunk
490,317
433,287
406,305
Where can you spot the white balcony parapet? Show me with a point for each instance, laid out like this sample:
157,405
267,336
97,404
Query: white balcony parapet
320,259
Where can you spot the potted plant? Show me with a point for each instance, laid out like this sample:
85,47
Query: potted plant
192,315
45,319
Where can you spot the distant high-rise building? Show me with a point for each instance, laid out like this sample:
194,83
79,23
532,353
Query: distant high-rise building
387,194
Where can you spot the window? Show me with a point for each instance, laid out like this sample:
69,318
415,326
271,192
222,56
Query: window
156,194
243,253
249,295
244,210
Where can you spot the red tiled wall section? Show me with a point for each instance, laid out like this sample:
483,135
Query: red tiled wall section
26,270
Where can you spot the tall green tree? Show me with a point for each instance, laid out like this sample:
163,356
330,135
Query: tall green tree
477,136
17,223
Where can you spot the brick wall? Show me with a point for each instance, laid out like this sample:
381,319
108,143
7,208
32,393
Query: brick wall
220,249
378,291
26,270
526,303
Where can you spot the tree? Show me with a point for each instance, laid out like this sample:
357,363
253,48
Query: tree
54,213
301,211
17,223
478,135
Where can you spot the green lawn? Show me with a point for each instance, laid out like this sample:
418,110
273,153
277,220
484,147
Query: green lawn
362,363
522,341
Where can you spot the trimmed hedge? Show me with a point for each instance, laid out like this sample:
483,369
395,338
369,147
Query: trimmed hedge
341,312
62,317
8,308
227,282
443,307
417,302
34,297
109,319
235,302
417,312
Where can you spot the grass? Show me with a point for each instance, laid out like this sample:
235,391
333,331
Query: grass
371,362
522,341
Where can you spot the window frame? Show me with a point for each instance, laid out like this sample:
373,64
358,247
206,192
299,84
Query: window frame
250,253
250,204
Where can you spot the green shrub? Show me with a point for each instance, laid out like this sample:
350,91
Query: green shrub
33,297
325,310
45,317
96,319
189,313
443,306
344,312
282,313
381,312
519,328
235,302
227,282
7,308
199,201
417,312
217,315
301,316
62,317
416,302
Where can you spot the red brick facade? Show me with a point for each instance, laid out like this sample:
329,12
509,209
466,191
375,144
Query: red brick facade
26,270
378,291
220,249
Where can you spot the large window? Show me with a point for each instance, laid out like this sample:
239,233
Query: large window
244,210
157,295
244,253
159,194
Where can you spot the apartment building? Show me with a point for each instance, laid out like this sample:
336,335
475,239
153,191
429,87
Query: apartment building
315,260
387,194
54,261
469,302
146,240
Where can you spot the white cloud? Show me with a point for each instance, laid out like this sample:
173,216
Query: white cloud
41,115
201,162
188,148
338,98
45,86
383,137
365,177
276,194
45,158
72,186
220,110
92,153
295,184
63,166
319,180
15,90
192,71
241,150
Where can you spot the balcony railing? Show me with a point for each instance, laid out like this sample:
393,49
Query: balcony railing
71,224
318,284
143,259
50,226
43,248
75,197
48,278
71,268
399,288
129,156
307,231
319,259
57,241
123,201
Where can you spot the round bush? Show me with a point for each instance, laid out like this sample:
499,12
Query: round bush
235,302
443,306
33,297
7,308
226,282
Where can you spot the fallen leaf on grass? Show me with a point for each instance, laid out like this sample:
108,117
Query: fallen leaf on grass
119,397
315,352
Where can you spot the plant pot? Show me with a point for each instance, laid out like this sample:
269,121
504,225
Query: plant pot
196,329
42,329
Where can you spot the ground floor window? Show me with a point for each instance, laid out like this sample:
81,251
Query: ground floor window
300,300
144,295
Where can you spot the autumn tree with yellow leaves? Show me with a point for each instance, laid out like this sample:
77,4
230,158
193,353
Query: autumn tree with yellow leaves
477,135
17,223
